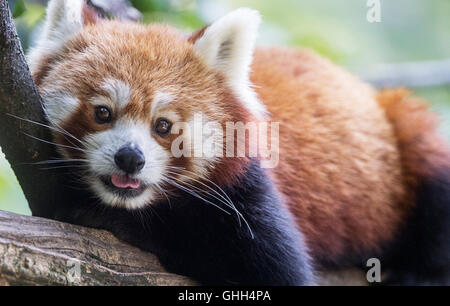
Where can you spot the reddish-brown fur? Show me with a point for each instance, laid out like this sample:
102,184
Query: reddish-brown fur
346,161
424,151
349,157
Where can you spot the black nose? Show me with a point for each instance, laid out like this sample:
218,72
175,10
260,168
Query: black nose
130,159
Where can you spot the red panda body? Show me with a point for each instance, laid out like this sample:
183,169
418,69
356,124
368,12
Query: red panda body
351,158
340,168
353,172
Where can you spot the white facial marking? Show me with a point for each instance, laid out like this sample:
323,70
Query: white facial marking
103,146
118,95
201,139
119,92
161,100
59,106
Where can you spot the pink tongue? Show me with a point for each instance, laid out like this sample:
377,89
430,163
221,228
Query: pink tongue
122,181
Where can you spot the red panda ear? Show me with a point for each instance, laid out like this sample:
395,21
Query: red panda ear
89,15
227,45
64,19
197,34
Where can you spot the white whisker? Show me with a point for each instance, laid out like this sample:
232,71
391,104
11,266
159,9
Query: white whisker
45,125
61,167
187,190
45,162
231,203
53,143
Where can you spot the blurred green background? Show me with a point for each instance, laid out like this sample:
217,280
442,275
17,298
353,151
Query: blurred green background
409,31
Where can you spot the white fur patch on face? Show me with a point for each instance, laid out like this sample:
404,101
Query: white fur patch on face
103,146
201,140
59,106
118,95
119,92
227,45
63,20
160,101
159,107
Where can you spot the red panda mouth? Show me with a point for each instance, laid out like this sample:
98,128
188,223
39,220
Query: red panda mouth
123,185
124,182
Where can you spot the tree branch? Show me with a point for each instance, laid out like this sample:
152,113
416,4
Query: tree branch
44,252
37,251
420,74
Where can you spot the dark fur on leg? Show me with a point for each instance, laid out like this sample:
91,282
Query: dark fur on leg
194,238
422,255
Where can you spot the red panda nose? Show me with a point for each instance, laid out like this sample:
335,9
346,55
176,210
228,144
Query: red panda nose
129,159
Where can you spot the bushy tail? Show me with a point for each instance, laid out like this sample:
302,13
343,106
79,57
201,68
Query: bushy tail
424,151
422,254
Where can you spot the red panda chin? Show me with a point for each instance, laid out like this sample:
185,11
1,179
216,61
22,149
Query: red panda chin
128,198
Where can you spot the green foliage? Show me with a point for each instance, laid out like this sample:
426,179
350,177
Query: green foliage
11,196
146,6
27,16
181,14
19,9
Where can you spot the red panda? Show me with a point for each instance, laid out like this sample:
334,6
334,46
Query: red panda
360,173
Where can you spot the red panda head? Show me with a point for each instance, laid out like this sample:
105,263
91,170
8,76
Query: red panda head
125,98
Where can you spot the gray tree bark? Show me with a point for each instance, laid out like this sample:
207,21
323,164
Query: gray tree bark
38,251
19,97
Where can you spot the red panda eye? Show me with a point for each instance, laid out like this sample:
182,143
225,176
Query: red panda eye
102,114
162,127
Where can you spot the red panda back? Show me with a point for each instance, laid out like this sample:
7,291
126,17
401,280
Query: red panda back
340,168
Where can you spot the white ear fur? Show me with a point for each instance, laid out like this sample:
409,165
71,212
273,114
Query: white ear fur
228,46
64,18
